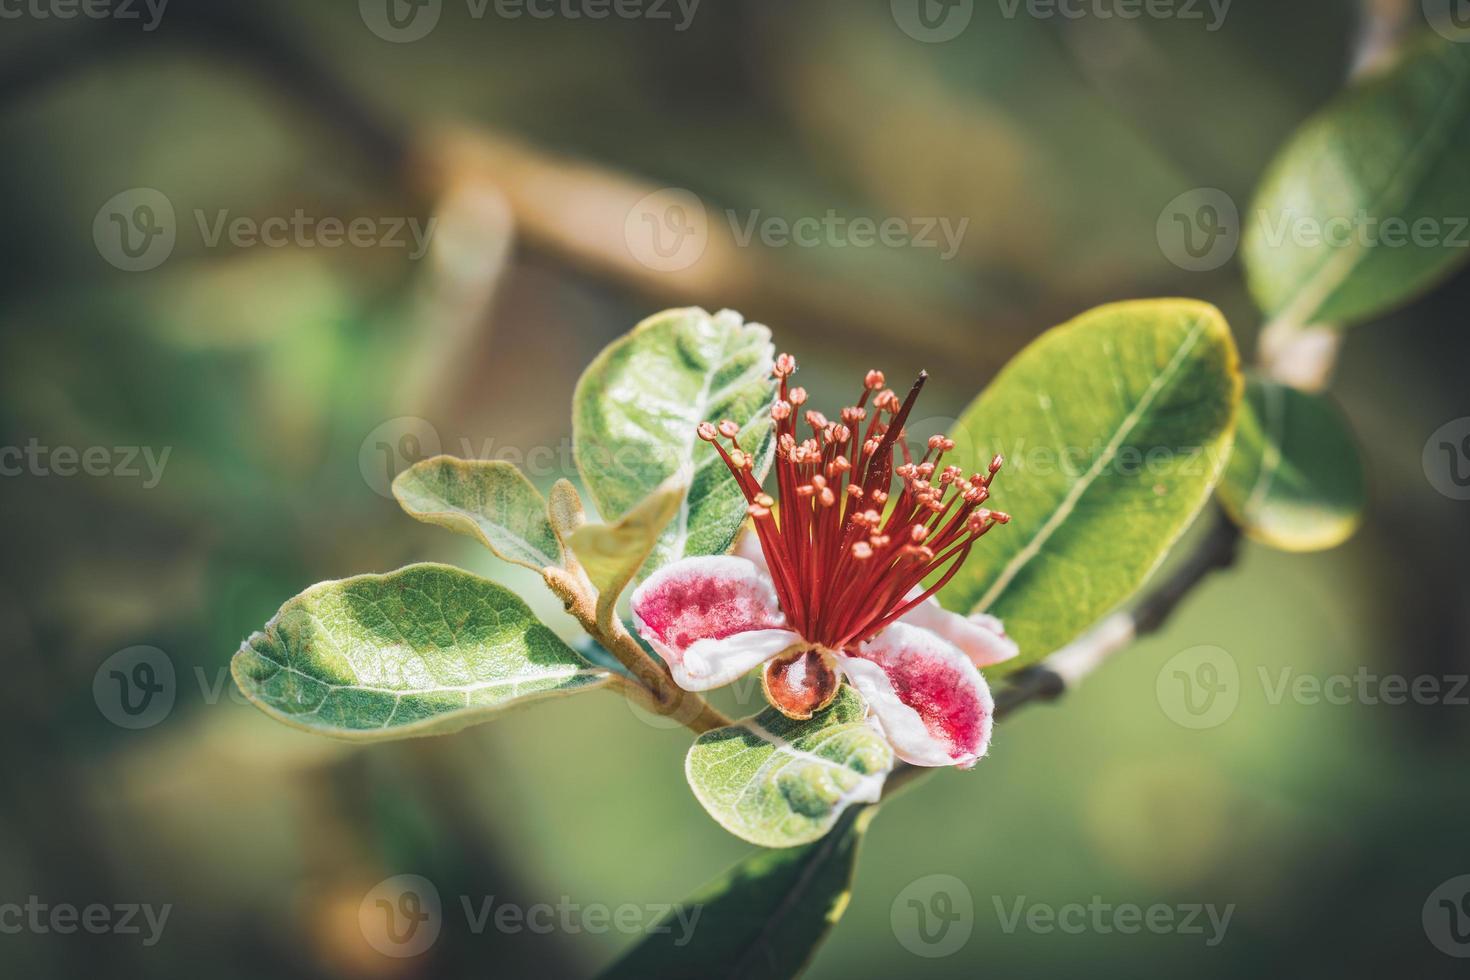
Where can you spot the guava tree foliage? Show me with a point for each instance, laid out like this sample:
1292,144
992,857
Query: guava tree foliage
878,584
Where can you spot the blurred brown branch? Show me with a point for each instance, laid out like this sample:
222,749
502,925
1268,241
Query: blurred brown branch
572,210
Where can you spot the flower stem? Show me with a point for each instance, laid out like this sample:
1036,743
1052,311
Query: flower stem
650,685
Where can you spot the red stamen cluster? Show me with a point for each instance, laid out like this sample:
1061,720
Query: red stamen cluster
845,553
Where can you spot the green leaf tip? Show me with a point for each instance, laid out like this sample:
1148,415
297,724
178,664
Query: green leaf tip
489,500
1295,480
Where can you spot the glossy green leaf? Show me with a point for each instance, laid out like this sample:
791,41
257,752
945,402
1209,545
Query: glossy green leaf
1295,480
486,499
763,918
611,554
637,408
424,650
1115,427
1368,204
779,783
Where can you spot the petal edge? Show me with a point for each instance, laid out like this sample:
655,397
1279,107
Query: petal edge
711,618
924,694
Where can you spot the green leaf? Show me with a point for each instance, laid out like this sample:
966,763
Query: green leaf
612,553
1115,427
1390,149
1295,480
763,918
637,408
486,499
425,650
779,783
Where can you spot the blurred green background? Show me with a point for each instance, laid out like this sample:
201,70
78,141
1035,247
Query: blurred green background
288,382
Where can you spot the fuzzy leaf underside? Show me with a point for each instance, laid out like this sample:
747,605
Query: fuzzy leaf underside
425,650
637,408
780,783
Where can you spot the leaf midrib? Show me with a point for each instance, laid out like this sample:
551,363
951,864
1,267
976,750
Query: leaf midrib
810,866
1340,263
1069,503
441,507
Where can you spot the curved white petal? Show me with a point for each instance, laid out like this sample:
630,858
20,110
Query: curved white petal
711,618
980,637
715,663
924,694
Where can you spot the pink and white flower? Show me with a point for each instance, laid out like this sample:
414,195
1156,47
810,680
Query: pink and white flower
835,591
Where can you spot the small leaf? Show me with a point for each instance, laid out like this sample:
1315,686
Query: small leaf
762,918
612,553
1115,427
425,650
487,499
564,510
1333,232
1295,480
637,408
779,783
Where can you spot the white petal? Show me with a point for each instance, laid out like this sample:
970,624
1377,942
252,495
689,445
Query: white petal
982,638
924,694
714,663
697,612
